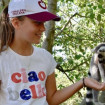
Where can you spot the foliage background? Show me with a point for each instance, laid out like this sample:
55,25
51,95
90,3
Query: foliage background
81,28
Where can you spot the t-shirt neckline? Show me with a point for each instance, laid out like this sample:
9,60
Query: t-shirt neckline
13,52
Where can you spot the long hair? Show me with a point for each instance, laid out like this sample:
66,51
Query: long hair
7,31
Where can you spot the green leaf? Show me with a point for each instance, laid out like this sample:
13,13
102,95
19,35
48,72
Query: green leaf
56,75
78,56
99,6
84,5
95,7
67,1
71,61
90,5
100,1
102,11
62,0
71,0
99,17
60,59
60,86
92,15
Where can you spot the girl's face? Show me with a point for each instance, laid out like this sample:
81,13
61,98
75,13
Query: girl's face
30,30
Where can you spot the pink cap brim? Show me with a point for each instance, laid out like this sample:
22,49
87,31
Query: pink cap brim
43,16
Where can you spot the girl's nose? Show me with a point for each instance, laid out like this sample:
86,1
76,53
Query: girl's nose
42,27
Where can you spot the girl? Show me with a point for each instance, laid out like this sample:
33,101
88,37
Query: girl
27,72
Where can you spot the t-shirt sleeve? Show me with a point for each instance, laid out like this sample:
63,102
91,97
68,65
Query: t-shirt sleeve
50,61
53,65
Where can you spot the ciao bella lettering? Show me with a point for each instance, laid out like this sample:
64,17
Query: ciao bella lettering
34,91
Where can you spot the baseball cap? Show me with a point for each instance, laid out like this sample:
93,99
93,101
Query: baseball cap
33,9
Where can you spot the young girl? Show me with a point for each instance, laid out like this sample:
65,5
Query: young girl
27,72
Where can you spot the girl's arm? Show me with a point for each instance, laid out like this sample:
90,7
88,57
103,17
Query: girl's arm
55,97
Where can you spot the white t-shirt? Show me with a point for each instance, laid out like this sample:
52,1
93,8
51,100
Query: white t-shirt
23,77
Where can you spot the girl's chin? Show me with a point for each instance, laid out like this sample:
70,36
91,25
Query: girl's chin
36,42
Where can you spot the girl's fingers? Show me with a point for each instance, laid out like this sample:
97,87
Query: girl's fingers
102,87
92,83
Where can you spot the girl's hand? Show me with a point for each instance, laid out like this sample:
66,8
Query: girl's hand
92,83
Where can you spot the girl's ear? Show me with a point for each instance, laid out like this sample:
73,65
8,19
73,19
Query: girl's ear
15,23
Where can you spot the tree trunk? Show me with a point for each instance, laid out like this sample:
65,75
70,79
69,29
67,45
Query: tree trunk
50,27
4,2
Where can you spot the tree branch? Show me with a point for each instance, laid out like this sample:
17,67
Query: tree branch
75,67
63,71
68,23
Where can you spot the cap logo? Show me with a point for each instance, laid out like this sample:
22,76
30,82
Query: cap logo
18,12
42,4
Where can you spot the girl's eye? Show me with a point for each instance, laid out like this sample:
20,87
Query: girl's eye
38,23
